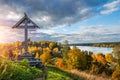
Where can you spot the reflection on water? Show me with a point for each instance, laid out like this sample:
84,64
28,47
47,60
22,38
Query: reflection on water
96,49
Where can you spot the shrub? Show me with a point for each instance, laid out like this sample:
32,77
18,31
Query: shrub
17,71
116,74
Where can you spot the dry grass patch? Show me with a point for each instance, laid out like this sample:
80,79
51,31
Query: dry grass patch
86,76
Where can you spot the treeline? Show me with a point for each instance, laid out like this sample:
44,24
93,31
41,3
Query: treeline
36,48
110,45
62,56
104,44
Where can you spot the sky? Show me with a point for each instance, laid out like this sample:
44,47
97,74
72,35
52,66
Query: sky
77,21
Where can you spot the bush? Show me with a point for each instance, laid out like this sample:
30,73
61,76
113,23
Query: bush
116,74
18,71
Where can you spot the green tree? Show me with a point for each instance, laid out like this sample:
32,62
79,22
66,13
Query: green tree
64,51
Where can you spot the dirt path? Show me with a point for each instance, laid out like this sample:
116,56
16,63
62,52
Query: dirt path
38,79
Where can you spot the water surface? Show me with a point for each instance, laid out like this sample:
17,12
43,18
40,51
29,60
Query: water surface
96,49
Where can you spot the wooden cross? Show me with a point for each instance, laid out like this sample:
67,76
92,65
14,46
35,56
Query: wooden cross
25,23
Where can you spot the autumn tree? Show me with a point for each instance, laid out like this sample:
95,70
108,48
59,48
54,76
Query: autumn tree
37,55
56,53
52,45
116,73
55,50
116,52
76,59
59,63
99,64
89,59
109,57
46,56
65,49
100,58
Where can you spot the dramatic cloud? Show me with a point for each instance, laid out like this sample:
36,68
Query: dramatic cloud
55,15
49,13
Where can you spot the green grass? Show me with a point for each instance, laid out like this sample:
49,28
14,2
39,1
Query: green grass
17,71
57,74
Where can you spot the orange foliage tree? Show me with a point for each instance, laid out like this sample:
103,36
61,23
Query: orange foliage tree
59,63
100,58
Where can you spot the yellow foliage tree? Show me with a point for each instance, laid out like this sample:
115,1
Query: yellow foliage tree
55,50
76,59
46,56
51,45
37,55
109,57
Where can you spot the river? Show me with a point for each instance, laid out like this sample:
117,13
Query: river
96,49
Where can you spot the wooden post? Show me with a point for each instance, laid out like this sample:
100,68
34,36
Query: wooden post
44,72
26,36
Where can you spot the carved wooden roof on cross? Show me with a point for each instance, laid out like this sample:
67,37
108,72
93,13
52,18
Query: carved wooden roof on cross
21,22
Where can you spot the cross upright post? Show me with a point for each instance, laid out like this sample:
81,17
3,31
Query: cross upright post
26,36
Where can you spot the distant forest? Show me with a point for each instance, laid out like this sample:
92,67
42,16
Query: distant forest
102,44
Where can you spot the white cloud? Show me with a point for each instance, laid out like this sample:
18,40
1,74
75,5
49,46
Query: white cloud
109,11
13,16
87,34
111,7
98,33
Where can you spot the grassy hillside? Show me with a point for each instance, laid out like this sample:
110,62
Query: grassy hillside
17,71
22,71
55,73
